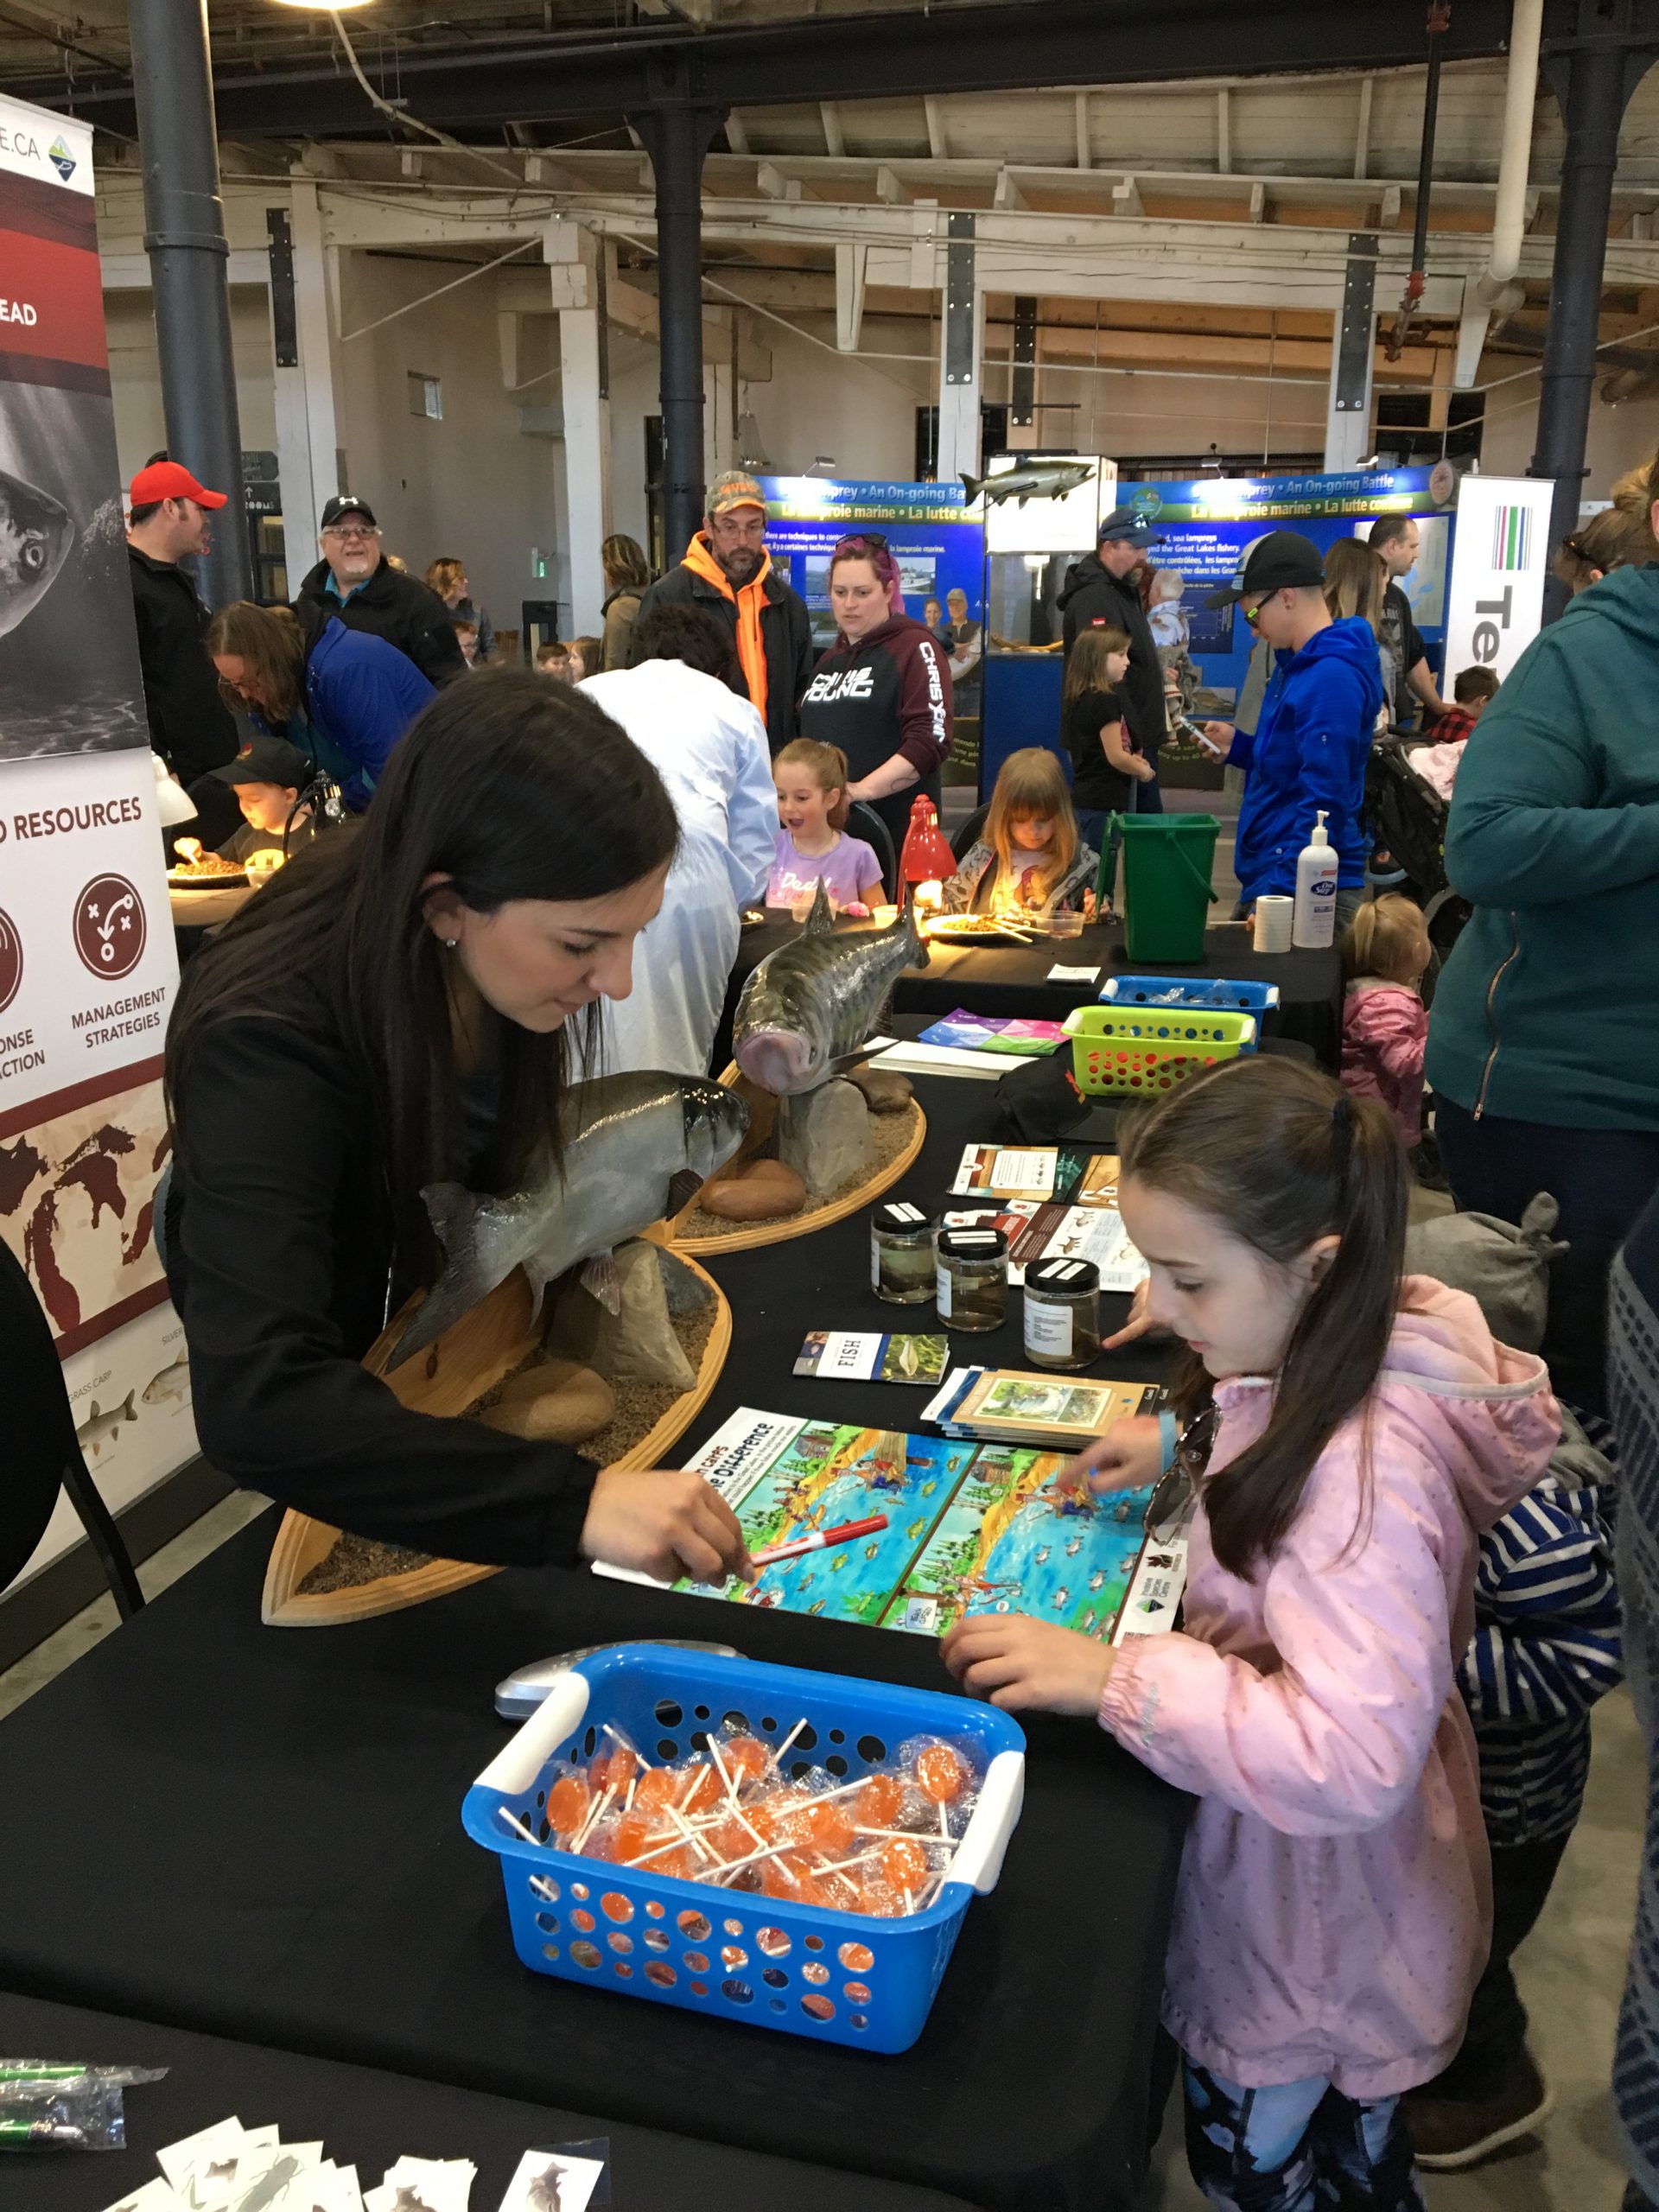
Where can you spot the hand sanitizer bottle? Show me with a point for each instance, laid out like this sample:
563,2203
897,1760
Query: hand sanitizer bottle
1313,923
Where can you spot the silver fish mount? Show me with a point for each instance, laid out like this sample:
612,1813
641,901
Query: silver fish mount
808,1007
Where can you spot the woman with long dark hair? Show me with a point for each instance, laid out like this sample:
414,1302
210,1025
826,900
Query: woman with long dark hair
394,1010
882,691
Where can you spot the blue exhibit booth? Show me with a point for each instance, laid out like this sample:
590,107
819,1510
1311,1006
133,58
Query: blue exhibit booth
1203,530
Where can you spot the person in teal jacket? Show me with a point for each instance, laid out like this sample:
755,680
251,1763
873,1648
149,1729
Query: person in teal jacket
1543,1040
1312,738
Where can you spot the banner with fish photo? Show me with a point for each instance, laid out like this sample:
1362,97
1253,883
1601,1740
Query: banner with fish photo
88,969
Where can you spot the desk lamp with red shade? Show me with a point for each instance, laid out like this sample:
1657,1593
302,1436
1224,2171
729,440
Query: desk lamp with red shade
926,860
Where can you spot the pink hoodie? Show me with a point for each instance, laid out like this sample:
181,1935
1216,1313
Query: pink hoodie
1384,1030
1334,1904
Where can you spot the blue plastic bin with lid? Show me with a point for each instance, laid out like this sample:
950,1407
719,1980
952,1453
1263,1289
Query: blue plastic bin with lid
839,1977
1189,990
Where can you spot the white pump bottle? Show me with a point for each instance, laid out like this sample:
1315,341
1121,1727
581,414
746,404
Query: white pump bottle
1313,923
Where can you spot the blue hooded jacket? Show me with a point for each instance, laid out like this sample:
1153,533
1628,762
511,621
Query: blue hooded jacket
360,696
1309,751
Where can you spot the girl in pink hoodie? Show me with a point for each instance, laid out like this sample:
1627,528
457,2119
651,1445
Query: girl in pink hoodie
1361,1430
1384,1021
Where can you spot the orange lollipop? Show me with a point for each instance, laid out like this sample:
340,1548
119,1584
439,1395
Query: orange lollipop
703,1791
568,1803
634,1832
940,1773
905,1863
882,1901
830,1827
622,1766
879,1803
746,1758
658,1786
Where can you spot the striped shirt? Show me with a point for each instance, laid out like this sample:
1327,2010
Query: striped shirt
1547,1645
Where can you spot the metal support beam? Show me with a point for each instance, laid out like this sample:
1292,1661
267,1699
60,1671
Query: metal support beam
676,137
800,59
1224,132
1022,390
1348,419
184,237
1085,150
1593,83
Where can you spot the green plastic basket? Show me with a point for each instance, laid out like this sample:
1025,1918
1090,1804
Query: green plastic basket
1140,1051
1168,862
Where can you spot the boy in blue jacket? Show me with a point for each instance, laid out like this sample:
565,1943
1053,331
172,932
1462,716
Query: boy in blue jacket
1309,749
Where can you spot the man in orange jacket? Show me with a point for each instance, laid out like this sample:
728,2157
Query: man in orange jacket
729,572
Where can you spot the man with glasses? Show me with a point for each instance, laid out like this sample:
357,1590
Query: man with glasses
1310,746
355,580
727,572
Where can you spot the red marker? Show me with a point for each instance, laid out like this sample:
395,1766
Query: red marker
821,1539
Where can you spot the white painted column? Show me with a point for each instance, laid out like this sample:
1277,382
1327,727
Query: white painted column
307,396
572,252
961,355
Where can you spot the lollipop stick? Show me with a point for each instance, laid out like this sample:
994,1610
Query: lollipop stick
773,1763
518,1827
720,1767
617,1737
593,1819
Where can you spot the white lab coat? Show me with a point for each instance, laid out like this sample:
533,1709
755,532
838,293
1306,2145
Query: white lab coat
709,746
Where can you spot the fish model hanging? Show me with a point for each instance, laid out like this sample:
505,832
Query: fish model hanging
35,535
627,1142
808,1007
1038,479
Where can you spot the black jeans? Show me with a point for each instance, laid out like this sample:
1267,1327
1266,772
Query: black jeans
1497,2034
1600,1178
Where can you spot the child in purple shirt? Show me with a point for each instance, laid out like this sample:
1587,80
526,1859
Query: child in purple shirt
812,845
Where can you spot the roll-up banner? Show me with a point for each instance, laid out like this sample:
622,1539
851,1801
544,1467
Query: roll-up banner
87,966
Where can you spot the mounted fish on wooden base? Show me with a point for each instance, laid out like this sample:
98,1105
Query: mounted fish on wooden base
634,1145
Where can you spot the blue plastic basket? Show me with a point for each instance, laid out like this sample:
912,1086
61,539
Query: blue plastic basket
839,1977
1187,990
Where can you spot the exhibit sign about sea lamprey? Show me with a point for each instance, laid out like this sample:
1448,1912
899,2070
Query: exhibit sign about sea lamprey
1496,599
87,967
932,534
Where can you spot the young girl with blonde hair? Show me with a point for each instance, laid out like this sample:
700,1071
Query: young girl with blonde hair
813,846
1030,855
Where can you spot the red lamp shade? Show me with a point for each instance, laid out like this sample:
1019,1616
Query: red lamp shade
926,858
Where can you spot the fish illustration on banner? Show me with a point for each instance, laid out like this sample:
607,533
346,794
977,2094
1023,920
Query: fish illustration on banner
35,535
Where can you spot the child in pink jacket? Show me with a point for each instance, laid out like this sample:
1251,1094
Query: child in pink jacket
1384,1021
1333,1907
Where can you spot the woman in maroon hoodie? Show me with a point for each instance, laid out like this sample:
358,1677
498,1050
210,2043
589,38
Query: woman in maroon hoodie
882,691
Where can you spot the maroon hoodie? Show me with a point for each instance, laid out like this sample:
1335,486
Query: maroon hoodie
889,693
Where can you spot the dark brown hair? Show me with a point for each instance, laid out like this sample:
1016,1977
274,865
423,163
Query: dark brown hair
673,631
1085,664
269,642
1473,684
513,788
624,562
1279,1156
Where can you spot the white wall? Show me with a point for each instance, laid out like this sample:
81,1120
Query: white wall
135,375
1618,436
472,484
862,412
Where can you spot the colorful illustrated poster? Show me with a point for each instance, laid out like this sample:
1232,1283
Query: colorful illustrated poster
971,1527
87,966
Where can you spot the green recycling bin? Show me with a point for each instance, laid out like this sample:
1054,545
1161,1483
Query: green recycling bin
1167,861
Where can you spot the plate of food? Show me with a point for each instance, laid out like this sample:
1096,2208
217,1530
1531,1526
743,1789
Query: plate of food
197,869
983,929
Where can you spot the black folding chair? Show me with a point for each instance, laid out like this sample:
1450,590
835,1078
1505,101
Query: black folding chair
967,836
43,1452
864,822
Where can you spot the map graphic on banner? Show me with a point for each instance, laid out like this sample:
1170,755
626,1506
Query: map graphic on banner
87,967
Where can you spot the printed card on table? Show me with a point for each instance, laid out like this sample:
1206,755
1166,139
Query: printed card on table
993,1171
553,2181
840,1355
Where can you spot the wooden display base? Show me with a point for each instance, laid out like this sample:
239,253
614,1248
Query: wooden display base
469,1358
747,1237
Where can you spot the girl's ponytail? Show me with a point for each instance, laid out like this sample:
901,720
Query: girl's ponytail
1280,1156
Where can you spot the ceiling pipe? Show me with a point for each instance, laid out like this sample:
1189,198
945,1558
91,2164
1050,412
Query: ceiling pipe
1497,288
1439,22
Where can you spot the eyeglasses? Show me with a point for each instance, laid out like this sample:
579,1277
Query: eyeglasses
1182,1475
1252,614
360,534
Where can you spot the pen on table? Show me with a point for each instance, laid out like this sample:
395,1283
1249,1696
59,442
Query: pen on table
821,1539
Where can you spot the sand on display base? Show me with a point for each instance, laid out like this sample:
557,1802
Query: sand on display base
320,1577
898,1139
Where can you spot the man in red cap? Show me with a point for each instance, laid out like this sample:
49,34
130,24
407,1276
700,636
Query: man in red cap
190,726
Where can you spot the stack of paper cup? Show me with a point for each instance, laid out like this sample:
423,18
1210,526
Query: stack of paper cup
1273,920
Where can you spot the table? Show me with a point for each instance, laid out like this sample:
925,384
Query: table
206,909
256,1833
1013,979
366,2118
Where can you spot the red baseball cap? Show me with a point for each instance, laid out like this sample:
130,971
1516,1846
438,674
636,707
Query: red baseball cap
169,479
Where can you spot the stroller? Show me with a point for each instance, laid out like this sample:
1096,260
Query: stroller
1408,818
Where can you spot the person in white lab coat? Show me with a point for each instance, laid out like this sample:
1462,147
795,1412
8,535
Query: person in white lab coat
680,700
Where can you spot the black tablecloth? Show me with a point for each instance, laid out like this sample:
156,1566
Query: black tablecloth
365,2118
255,1832
1013,979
